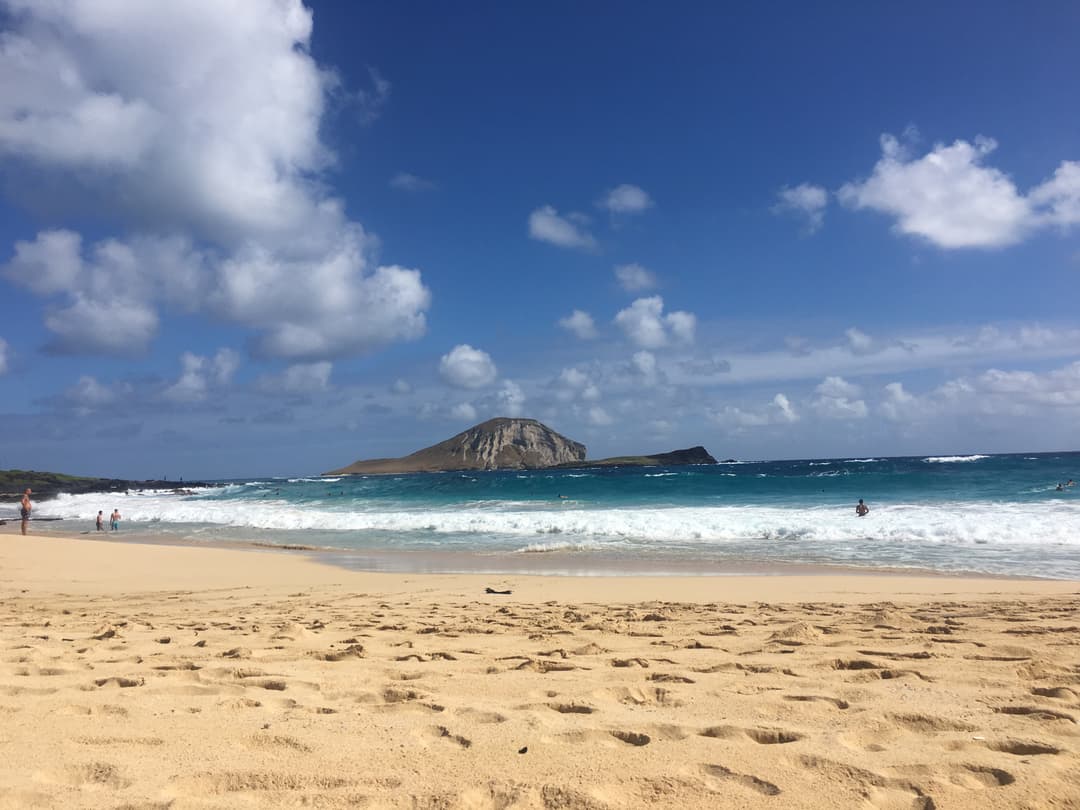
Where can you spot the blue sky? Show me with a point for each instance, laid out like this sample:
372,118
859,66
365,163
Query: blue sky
264,237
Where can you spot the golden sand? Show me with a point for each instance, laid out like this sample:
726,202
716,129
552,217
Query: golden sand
142,676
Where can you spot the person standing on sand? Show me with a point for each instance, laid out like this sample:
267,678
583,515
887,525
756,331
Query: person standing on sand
862,510
100,521
25,508
114,520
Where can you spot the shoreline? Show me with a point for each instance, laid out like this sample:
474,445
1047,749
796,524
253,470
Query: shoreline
100,565
556,564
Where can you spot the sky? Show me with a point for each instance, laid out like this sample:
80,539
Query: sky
267,237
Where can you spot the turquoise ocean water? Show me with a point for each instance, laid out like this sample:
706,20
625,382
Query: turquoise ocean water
999,514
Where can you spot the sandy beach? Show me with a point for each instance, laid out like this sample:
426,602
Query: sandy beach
149,676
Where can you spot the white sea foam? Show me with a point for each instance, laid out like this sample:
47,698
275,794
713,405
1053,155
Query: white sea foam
861,460
952,459
820,463
1038,523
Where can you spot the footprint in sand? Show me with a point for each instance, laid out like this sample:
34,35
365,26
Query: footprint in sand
762,736
840,704
716,778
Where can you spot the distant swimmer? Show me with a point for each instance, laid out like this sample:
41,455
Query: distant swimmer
564,497
862,510
1070,483
1059,488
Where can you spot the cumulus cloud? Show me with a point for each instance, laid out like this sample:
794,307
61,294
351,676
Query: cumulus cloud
464,411
404,181
573,383
644,364
898,405
200,374
644,323
626,199
838,399
545,225
598,417
299,379
806,201
336,310
779,411
510,399
102,303
579,323
859,342
466,367
634,277
401,387
90,394
952,199
838,387
199,121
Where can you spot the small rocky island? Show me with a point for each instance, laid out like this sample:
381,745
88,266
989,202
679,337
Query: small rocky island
511,444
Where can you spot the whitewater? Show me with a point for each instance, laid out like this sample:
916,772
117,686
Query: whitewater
978,513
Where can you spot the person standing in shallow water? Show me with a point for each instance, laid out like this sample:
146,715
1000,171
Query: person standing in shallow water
100,521
862,510
25,508
114,520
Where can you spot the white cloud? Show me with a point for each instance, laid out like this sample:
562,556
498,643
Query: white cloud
464,411
779,411
950,198
545,225
510,399
573,383
598,417
466,367
1058,198
806,201
1034,397
786,411
838,387
200,374
89,326
198,120
579,323
646,325
404,181
90,394
898,405
634,277
401,387
859,342
841,408
103,304
299,378
323,307
626,199
3,356
645,364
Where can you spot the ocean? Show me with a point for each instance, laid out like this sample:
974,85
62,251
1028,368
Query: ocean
988,514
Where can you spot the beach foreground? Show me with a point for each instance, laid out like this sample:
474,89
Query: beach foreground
142,676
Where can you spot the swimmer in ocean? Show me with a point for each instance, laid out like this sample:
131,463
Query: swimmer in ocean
862,510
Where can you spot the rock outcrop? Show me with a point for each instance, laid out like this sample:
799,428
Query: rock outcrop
497,444
692,455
